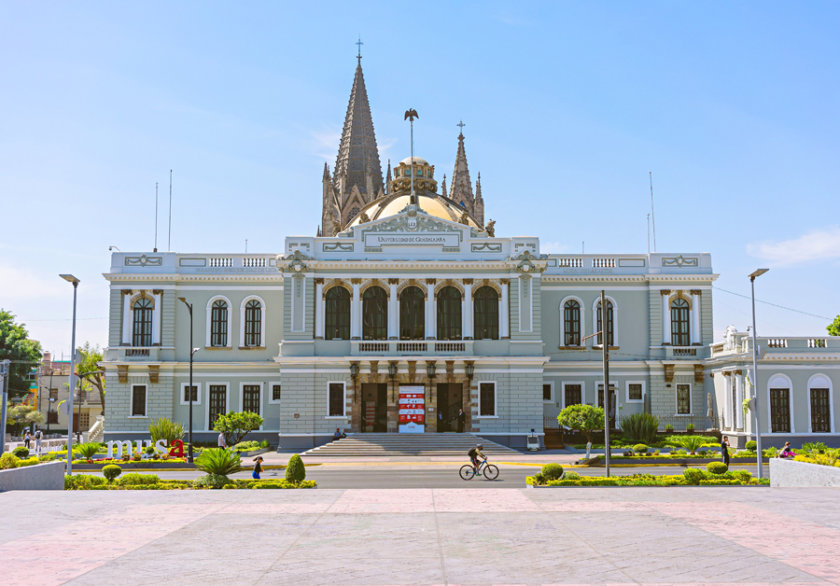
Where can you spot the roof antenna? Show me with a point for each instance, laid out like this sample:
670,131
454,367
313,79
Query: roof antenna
246,245
170,211
652,216
648,232
410,115
156,214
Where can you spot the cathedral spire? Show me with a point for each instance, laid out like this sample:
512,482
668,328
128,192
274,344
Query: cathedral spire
460,189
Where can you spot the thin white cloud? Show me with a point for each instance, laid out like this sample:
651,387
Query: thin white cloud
820,244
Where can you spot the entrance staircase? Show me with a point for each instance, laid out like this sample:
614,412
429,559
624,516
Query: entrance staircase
408,444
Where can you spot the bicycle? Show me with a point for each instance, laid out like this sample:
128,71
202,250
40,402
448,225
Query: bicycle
489,471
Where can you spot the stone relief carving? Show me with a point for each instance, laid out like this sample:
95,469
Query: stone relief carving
143,261
680,261
338,247
487,247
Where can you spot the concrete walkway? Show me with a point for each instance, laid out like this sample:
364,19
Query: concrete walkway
729,535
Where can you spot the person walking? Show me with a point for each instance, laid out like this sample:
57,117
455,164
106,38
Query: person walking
462,420
27,438
38,436
257,468
220,441
724,449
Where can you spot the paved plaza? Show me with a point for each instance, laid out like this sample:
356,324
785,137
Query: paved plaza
733,535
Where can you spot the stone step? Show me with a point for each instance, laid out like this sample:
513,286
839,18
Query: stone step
395,444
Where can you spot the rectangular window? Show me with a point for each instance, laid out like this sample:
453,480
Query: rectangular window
820,411
84,421
487,400
601,394
634,391
683,399
275,392
336,400
53,394
573,394
185,393
138,401
52,417
547,392
779,410
251,398
218,403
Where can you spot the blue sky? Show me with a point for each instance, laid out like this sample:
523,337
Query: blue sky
733,106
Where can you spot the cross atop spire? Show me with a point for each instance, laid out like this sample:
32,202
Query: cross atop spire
359,44
461,125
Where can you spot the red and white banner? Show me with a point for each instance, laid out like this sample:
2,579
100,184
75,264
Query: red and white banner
412,409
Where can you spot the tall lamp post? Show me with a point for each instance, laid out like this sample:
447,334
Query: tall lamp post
756,417
75,282
192,353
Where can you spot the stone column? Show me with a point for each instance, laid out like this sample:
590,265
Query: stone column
431,313
393,310
467,311
319,309
695,317
739,400
666,317
504,312
157,316
127,321
356,311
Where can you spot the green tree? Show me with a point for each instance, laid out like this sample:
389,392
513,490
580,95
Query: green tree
24,353
90,372
834,327
236,425
20,416
583,418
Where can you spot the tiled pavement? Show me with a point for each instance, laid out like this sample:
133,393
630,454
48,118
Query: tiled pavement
720,535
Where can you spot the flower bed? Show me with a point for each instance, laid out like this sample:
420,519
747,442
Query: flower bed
689,477
664,459
152,482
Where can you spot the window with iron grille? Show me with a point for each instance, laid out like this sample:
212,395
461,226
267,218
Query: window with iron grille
683,399
52,416
84,420
487,399
375,314
820,411
141,333
486,313
449,314
634,392
218,403
219,324
187,393
337,324
275,392
412,314
610,324
138,401
571,323
251,398
253,324
336,400
679,322
780,410
546,391
573,394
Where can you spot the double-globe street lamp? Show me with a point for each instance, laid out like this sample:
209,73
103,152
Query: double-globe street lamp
756,417
75,282
190,387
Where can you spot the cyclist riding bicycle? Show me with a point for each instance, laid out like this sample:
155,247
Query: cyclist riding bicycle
474,454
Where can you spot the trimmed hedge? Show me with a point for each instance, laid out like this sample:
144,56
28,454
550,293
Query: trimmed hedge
295,471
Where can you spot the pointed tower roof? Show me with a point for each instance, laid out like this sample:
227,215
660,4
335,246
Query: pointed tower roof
461,186
358,155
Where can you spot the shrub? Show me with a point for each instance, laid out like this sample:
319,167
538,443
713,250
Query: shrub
212,481
771,452
717,468
83,482
264,444
751,446
640,427
8,461
572,476
669,428
690,428
135,478
818,447
21,452
246,446
150,450
640,449
742,475
693,476
552,471
582,418
218,461
692,442
164,429
295,470
87,450
236,425
539,478
111,471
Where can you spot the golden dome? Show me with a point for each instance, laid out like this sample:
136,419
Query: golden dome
431,203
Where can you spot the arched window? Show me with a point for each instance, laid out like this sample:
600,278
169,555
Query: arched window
679,322
449,314
375,314
610,324
486,313
141,333
337,325
354,211
253,324
571,323
412,314
219,324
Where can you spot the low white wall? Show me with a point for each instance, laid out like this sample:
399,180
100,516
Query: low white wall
49,476
790,473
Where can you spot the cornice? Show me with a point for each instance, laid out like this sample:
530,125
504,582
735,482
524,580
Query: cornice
597,277
203,278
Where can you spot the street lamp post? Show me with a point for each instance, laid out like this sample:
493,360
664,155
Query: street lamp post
756,416
192,353
75,282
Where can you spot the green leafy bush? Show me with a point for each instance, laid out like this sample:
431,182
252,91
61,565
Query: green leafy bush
640,449
640,427
818,447
247,446
669,428
111,471
8,461
165,429
582,418
83,482
135,478
87,451
692,442
264,444
236,425
741,475
295,470
693,476
149,451
21,452
717,468
218,461
552,471
751,446
539,478
771,452
212,481
690,428
571,476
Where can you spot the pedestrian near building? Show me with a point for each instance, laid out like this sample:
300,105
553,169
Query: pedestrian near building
27,438
38,436
462,420
724,449
257,467
220,441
